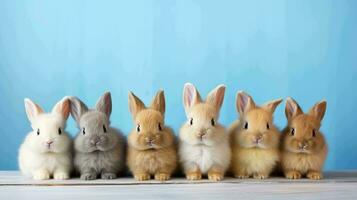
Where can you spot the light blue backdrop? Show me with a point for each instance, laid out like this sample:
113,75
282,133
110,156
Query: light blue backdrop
304,49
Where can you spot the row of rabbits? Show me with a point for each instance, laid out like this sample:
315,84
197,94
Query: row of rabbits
252,146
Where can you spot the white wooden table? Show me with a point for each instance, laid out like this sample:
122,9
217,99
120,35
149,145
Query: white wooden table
336,186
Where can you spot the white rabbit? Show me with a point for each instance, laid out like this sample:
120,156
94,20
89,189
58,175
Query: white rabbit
204,147
46,151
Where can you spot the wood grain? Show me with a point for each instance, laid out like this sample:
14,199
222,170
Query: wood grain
336,185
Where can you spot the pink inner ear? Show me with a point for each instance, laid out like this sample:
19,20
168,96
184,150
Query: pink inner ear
66,109
188,96
108,104
291,108
243,102
220,97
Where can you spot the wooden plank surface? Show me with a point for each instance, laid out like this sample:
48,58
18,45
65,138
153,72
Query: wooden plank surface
336,185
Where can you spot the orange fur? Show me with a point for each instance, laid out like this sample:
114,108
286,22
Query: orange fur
303,147
151,149
254,139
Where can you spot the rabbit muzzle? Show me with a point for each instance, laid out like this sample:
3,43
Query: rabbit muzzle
97,141
202,135
303,146
150,141
48,144
258,139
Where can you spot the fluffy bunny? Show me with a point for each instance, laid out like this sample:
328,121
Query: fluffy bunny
151,144
99,148
303,147
204,147
46,151
254,139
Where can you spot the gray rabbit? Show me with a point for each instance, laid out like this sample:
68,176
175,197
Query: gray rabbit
99,148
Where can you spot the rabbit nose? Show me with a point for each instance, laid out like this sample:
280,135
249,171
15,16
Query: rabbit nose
94,141
303,145
202,133
149,139
258,138
49,142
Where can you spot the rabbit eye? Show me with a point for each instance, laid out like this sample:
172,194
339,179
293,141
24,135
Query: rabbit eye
292,132
138,128
246,125
160,128
59,131
38,131
213,122
104,129
313,133
191,121
268,127
84,131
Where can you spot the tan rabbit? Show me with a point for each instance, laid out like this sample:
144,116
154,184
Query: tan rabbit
204,147
303,147
151,144
254,139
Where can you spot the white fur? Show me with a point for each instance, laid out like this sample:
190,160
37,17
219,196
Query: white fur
39,160
210,150
205,157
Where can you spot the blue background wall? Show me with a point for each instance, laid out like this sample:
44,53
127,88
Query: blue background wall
271,49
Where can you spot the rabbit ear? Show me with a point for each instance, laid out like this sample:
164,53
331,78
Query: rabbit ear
78,108
318,110
244,103
135,104
159,102
216,96
63,108
292,108
32,110
271,105
190,96
104,104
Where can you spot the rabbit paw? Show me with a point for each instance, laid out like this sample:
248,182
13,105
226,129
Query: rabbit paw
314,175
108,176
215,176
41,175
142,177
260,176
293,175
241,176
162,176
88,176
193,176
61,175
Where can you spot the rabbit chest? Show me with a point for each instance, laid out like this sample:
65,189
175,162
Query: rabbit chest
255,160
152,160
303,162
202,156
98,160
30,161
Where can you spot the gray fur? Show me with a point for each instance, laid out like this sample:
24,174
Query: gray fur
97,153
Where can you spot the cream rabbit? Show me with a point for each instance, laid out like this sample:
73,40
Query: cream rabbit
254,139
46,151
204,148
303,146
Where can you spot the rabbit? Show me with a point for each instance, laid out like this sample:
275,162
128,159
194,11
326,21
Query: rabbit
46,151
99,148
204,147
254,139
151,144
303,146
